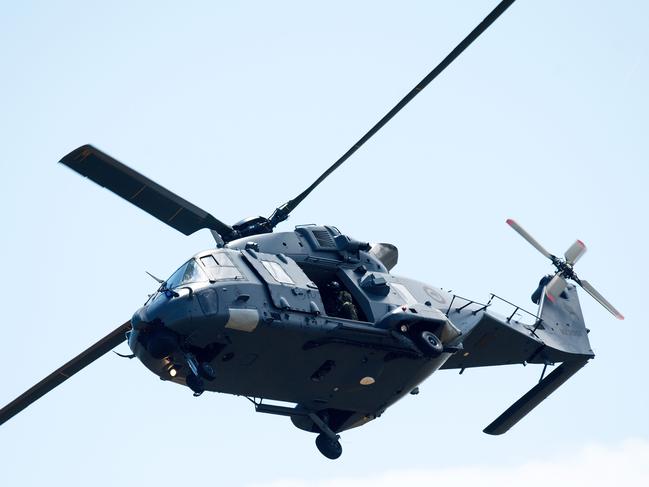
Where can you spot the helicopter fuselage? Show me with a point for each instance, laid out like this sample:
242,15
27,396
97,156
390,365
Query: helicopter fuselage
263,313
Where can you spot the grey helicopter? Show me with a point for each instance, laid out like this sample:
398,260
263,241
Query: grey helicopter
312,324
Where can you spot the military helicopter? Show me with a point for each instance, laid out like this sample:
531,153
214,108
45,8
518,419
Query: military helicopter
314,319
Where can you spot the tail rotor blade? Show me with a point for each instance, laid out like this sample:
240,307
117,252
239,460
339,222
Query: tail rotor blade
574,252
555,287
600,299
564,270
521,231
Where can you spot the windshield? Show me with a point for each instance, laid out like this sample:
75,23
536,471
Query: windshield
189,272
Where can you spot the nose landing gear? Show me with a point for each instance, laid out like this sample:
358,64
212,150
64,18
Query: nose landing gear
206,371
199,371
196,384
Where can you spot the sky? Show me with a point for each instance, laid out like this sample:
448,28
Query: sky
238,106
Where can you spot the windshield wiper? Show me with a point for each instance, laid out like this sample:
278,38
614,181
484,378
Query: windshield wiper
168,292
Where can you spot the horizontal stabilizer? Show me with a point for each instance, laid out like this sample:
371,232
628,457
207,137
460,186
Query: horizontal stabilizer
534,397
141,191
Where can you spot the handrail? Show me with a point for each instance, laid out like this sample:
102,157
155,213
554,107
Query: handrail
468,303
517,308
533,315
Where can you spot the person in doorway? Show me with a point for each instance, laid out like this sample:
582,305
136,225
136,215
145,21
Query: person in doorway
343,304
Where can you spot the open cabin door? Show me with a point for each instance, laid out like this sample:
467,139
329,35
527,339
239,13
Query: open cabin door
288,285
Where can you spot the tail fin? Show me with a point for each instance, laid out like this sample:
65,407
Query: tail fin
562,328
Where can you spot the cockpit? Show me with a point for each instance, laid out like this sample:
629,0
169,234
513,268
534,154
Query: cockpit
213,267
220,267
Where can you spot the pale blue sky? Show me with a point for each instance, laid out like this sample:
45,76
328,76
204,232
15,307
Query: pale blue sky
238,107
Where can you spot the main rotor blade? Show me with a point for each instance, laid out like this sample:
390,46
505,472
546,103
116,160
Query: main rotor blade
144,193
283,211
63,373
521,231
599,298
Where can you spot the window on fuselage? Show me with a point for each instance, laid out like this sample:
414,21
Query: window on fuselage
220,267
278,273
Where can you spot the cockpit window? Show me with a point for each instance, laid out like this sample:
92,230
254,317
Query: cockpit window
176,277
220,267
188,272
193,273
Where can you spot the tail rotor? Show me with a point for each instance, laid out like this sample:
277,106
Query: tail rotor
565,270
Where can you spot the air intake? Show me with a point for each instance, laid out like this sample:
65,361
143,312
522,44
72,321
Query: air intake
324,239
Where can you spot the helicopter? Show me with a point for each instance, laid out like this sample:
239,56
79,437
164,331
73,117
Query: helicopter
315,318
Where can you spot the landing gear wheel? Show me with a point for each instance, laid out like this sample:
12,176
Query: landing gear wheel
206,371
330,448
431,345
196,384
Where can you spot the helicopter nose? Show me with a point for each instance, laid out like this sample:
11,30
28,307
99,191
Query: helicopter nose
149,316
138,318
176,312
150,336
